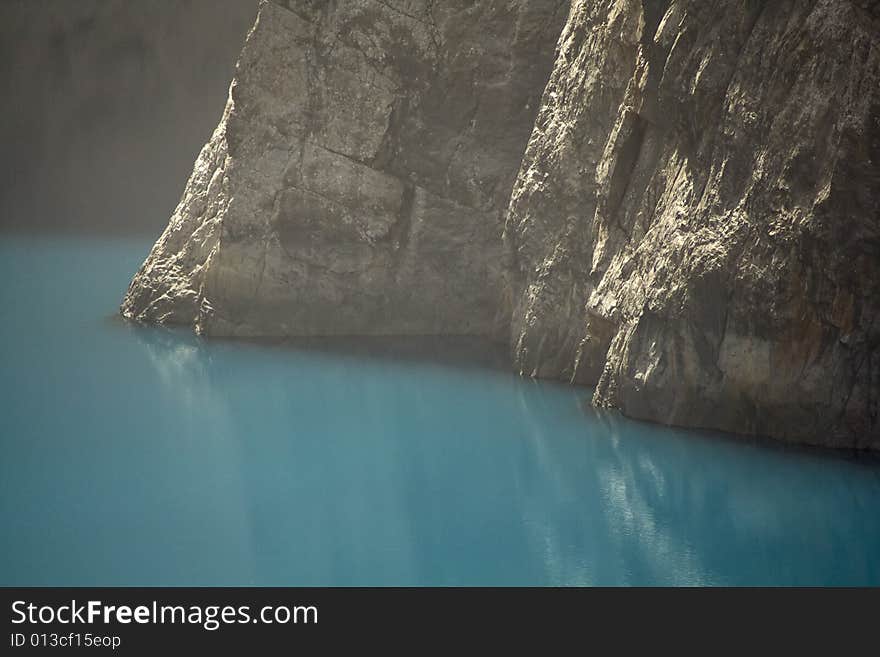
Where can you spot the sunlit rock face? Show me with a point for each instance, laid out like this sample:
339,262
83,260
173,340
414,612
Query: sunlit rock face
696,225
693,226
357,181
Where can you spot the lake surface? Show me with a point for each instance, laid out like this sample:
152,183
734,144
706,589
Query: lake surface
143,456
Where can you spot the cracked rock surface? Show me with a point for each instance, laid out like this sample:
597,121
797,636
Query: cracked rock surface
696,225
358,179
686,216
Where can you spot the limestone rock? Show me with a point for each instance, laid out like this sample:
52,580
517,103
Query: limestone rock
696,224
358,179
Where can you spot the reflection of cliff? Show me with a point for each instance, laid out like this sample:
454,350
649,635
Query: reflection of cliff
107,103
329,465
204,440
293,475
672,509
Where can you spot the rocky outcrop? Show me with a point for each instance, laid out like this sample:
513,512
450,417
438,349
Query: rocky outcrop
694,228
696,225
358,179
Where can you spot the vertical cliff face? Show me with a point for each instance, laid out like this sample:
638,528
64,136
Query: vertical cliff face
696,224
358,179
694,228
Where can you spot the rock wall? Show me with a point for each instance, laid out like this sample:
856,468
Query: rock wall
694,228
358,180
696,225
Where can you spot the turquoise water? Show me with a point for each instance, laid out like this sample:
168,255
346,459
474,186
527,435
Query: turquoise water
142,456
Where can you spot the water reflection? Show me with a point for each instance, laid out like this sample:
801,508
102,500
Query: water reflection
669,506
374,464
134,455
318,511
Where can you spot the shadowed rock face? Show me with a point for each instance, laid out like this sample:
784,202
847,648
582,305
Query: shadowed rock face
696,225
358,179
694,228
